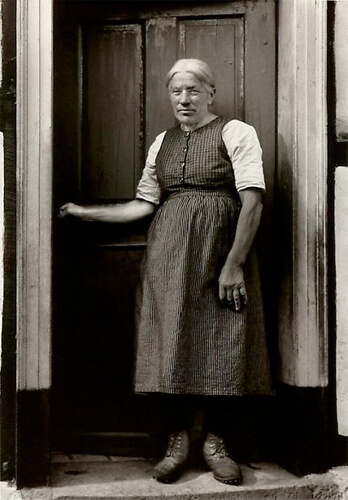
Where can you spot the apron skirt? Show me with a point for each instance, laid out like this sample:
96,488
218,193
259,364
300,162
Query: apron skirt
187,341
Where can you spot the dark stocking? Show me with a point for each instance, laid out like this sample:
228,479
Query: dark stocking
177,411
218,415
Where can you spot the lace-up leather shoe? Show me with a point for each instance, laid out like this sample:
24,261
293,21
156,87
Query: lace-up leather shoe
218,460
170,467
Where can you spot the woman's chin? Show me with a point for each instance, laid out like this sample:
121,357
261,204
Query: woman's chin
186,118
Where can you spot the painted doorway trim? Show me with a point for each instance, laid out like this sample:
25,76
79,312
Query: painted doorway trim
302,160
34,193
302,192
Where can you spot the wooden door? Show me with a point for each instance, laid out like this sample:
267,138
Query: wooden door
110,61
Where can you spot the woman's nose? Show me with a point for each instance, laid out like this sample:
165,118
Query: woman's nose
184,97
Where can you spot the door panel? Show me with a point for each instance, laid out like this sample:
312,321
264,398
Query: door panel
110,61
219,42
161,54
112,108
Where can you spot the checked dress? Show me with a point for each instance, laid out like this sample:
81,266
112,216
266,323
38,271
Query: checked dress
187,341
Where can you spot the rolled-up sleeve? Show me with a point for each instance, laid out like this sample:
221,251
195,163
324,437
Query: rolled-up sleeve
148,188
245,152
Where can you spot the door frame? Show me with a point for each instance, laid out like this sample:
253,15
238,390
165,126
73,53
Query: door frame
303,332
302,192
34,247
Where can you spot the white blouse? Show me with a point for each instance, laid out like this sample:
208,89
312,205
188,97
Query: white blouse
243,148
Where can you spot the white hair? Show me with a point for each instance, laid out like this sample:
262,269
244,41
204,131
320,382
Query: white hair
198,68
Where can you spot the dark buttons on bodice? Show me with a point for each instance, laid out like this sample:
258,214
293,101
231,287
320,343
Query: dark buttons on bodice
183,162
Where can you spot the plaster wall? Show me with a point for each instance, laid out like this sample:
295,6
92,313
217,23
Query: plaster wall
1,200
341,64
1,230
341,215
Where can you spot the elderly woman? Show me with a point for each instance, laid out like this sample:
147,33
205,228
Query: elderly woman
200,332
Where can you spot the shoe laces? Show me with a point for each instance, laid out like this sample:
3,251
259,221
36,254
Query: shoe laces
220,447
174,444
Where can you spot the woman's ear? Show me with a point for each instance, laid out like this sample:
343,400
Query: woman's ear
211,96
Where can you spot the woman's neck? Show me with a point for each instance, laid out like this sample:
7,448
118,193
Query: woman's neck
188,127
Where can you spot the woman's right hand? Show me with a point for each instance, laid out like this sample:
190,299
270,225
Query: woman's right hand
70,209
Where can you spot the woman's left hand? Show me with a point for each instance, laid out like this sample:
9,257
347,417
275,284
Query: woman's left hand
232,289
231,281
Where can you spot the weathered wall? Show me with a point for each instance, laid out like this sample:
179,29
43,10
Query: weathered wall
341,62
341,211
1,229
2,220
341,217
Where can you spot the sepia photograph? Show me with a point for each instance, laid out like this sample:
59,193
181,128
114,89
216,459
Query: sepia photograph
173,249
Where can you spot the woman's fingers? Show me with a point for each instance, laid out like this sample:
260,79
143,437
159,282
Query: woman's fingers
63,210
229,294
243,293
235,298
232,290
67,209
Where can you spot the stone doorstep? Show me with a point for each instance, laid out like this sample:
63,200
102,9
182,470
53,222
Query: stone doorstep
113,478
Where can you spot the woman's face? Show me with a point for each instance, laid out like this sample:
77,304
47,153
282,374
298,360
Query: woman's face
190,99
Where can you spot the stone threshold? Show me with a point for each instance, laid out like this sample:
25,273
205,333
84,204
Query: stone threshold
77,477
